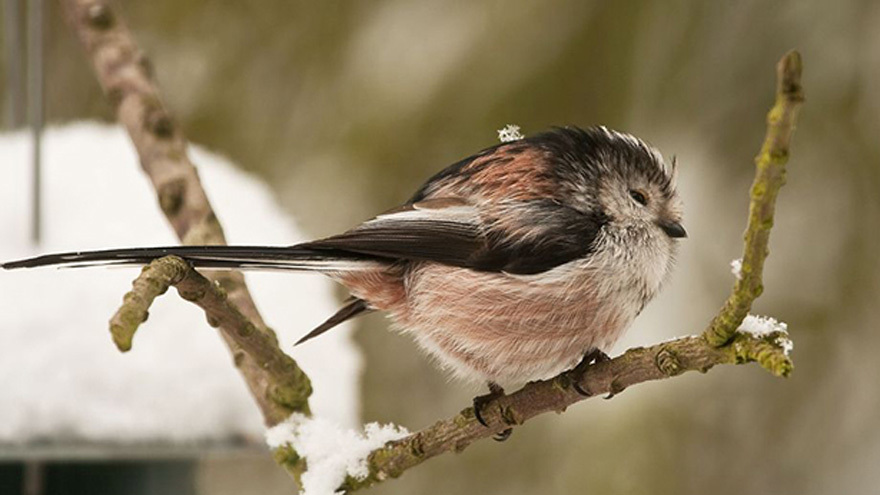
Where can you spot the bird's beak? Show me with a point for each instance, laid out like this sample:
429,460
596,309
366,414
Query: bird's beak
673,229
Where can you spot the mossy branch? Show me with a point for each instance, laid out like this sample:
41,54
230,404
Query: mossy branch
289,388
769,178
154,280
720,343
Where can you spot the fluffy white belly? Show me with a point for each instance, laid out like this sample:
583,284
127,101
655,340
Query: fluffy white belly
511,328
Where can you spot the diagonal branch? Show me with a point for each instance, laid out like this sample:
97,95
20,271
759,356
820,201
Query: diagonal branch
719,344
125,75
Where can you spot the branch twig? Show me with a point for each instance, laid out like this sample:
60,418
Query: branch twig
719,344
258,343
769,178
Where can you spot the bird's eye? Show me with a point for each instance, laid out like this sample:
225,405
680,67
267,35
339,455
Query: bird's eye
639,197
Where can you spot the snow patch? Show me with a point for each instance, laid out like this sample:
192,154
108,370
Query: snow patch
736,267
331,452
62,379
762,326
509,133
785,343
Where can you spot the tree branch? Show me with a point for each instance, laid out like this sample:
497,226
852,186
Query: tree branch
125,74
719,344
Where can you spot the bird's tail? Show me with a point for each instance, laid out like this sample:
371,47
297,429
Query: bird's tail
215,257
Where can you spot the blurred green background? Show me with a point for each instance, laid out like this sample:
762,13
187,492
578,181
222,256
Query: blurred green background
345,107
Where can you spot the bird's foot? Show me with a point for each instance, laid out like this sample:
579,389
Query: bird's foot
480,401
594,356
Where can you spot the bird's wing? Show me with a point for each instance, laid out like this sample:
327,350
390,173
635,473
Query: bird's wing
521,237
443,230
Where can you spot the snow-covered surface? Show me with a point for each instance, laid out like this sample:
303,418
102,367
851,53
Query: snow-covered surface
761,326
736,267
509,133
61,378
331,451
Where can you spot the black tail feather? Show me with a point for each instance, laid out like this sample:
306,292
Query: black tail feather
219,257
352,308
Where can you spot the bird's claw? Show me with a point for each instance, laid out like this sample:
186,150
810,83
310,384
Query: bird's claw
596,356
577,388
480,401
592,357
503,435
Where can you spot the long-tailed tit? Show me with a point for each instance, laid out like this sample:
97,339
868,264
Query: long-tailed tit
510,265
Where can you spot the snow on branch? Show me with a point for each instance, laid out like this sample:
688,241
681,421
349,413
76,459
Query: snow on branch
331,453
736,267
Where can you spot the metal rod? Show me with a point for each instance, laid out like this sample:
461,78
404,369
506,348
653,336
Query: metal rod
12,41
35,107
34,479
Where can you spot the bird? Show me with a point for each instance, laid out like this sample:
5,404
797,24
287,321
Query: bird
508,266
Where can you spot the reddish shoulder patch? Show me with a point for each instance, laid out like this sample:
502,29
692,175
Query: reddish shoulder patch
513,173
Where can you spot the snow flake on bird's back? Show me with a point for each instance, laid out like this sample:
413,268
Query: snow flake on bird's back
509,133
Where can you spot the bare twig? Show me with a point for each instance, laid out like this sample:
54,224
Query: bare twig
769,178
125,74
719,344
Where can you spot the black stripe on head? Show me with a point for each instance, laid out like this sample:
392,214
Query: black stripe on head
585,155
